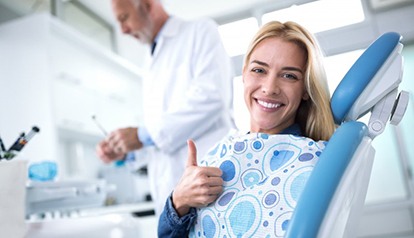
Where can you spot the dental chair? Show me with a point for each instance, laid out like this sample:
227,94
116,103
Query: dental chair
332,201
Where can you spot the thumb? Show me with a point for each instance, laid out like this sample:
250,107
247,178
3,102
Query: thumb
192,153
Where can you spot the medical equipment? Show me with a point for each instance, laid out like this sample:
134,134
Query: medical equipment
64,196
18,145
332,200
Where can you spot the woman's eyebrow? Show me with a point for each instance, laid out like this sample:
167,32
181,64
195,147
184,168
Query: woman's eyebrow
289,68
259,63
293,69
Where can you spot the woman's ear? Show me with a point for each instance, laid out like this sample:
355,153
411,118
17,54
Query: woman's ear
305,96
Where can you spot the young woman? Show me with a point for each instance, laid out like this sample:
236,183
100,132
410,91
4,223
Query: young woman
248,184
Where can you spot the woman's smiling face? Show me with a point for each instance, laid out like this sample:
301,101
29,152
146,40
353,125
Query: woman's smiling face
274,84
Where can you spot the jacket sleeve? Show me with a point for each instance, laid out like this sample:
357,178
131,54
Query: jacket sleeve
208,97
170,225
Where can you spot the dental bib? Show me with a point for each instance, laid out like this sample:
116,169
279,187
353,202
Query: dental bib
263,177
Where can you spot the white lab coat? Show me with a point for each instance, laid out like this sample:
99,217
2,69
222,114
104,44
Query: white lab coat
188,94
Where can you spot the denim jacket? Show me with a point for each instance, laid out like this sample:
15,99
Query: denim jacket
171,225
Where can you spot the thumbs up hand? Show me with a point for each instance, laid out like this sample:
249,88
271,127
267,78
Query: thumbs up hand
198,187
192,154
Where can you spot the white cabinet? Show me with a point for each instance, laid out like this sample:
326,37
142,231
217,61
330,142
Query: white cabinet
53,77
89,80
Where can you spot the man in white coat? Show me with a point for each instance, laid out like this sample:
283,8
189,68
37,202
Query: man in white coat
187,94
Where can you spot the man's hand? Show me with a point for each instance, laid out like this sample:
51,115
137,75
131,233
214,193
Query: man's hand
198,187
118,143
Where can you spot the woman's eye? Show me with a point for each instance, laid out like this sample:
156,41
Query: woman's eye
257,70
290,76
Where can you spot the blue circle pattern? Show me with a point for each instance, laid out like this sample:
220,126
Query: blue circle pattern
209,227
275,181
240,147
271,199
298,182
238,225
281,223
229,170
223,151
251,177
259,195
257,145
230,166
224,200
242,216
280,158
306,157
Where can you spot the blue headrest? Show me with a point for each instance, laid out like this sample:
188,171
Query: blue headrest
361,73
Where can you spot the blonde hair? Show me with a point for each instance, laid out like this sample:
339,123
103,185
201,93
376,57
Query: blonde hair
314,115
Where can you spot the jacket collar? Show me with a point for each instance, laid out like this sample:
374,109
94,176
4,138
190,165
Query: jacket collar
169,29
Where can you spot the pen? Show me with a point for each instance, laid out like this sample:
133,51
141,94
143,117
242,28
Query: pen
99,125
119,162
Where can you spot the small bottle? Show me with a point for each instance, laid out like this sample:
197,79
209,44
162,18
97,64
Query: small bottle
43,171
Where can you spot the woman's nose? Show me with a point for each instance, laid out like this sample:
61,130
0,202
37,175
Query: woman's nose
270,86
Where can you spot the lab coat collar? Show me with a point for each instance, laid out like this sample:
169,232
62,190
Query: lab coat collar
169,29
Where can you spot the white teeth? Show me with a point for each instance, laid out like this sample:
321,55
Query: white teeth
268,105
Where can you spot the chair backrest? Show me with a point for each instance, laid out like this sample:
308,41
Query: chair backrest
334,195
